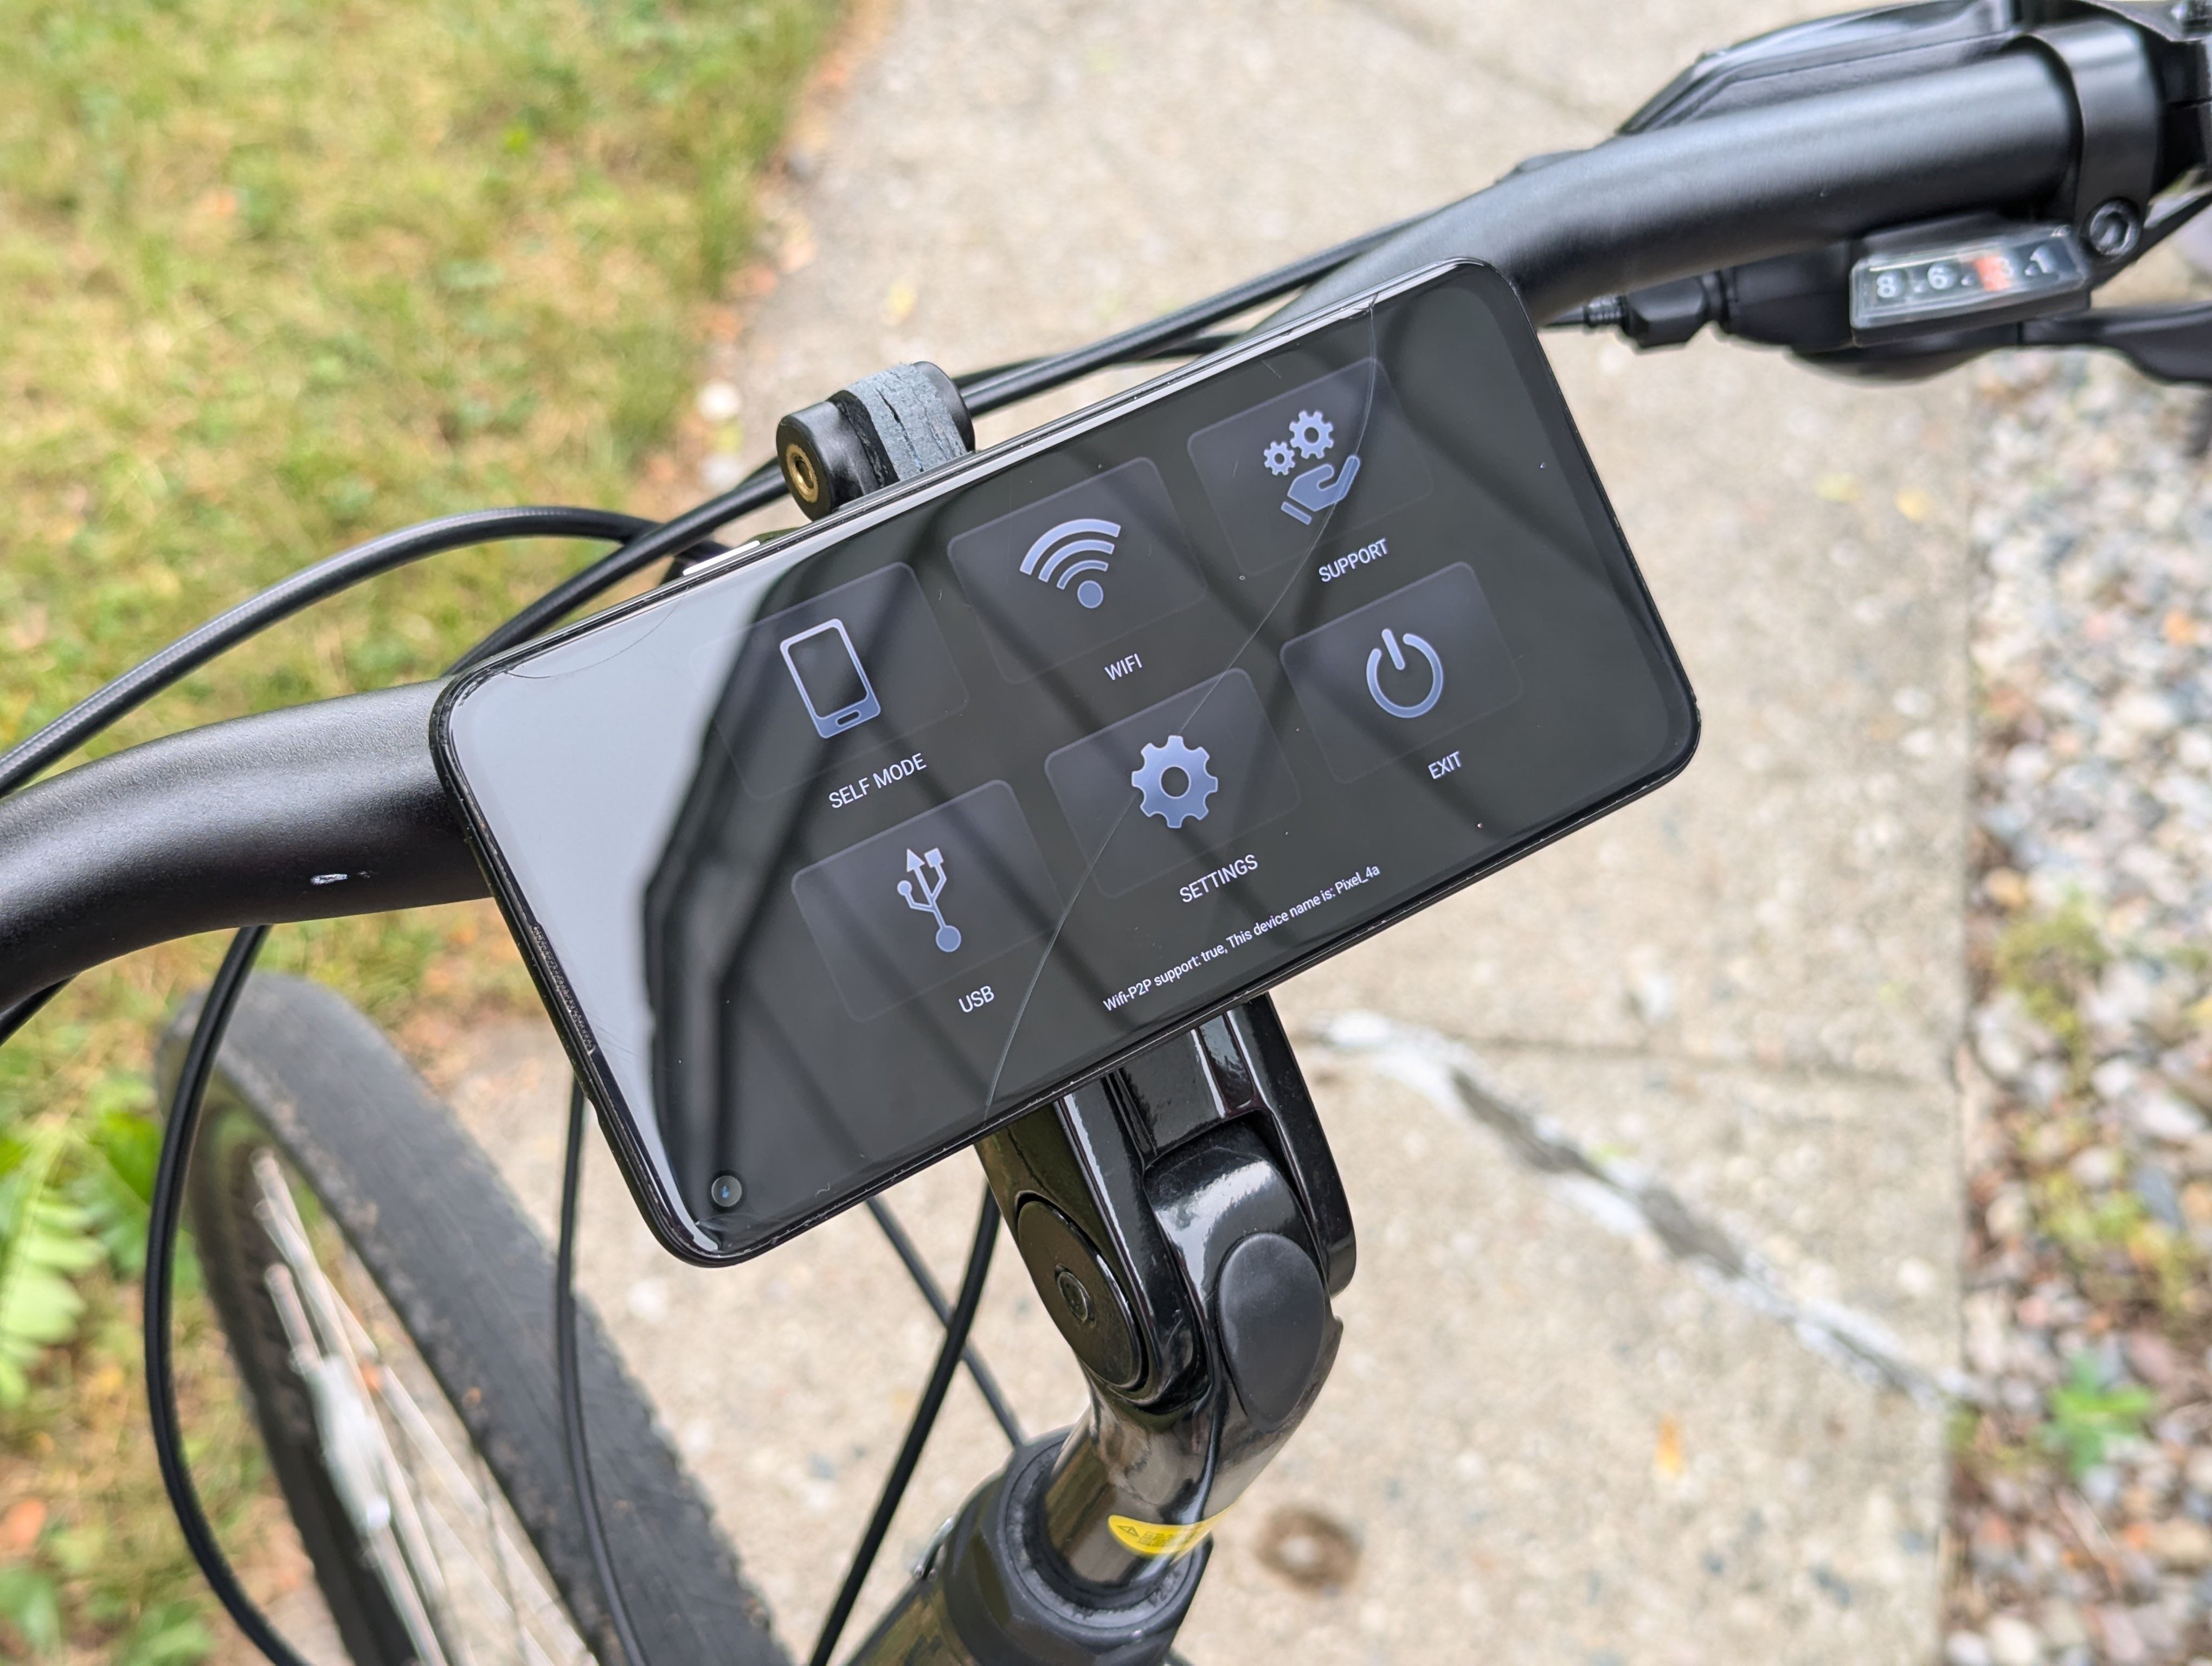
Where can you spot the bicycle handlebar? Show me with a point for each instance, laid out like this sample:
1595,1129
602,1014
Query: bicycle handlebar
1675,201
335,808
301,814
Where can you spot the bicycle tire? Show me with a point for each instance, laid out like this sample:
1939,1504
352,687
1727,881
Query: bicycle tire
467,1277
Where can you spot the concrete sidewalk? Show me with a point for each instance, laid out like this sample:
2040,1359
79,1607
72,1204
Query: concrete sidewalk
1668,1419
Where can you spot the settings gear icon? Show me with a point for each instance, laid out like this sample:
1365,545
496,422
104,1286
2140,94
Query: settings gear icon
1313,434
1149,778
1278,457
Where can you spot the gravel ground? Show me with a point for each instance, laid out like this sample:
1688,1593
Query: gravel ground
2082,1512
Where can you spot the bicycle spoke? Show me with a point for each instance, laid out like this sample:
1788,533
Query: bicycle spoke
421,1509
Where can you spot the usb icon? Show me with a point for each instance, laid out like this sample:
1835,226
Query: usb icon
928,872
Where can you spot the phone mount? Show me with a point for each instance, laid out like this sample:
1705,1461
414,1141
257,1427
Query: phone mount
1183,1222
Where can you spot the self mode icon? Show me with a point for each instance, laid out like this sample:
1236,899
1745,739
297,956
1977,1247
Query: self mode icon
1077,569
831,679
817,687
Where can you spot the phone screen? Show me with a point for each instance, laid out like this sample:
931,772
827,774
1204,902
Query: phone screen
831,858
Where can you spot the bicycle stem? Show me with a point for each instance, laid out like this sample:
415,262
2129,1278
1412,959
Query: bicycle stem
1183,1222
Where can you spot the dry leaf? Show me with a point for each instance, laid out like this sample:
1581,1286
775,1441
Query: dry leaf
1666,1454
21,1525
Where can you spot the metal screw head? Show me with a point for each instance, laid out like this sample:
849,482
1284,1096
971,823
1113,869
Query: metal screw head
726,1191
1072,1292
2113,229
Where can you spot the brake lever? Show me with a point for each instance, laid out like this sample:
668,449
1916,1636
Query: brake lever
2170,344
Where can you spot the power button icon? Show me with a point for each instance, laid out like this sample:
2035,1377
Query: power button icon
1376,691
1427,703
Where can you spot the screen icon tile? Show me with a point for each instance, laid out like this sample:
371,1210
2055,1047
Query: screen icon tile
1172,783
929,900
1396,676
1074,571
1328,456
822,684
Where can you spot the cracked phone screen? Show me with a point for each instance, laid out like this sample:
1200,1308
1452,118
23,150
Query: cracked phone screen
830,859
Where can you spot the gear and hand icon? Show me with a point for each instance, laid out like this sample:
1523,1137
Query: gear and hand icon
1150,779
1278,457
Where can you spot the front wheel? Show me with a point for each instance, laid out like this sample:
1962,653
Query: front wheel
389,1307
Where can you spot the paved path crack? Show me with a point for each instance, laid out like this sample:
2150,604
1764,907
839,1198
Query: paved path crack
1798,1070
1625,1201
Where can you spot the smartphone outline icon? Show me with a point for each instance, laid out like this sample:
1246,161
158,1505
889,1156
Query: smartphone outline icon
844,717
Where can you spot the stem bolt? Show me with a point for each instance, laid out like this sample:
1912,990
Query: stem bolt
726,1191
2115,227
1072,1292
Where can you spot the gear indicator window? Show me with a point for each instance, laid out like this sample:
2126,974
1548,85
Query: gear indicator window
833,856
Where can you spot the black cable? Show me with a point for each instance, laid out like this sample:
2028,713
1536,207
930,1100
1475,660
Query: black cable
572,1388
303,589
14,1017
992,390
1171,335
163,1220
917,1434
918,1269
687,533
1183,347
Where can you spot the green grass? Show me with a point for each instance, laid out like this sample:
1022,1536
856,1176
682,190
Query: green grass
2051,962
275,276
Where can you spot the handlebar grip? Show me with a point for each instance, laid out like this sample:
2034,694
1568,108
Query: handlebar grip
1723,190
305,813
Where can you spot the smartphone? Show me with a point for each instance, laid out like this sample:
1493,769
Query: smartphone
837,854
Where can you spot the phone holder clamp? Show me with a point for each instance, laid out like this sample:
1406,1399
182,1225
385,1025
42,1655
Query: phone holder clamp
884,429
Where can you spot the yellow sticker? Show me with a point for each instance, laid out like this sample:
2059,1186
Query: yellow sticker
1159,1538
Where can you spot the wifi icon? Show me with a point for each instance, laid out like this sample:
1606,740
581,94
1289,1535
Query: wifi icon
1069,550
